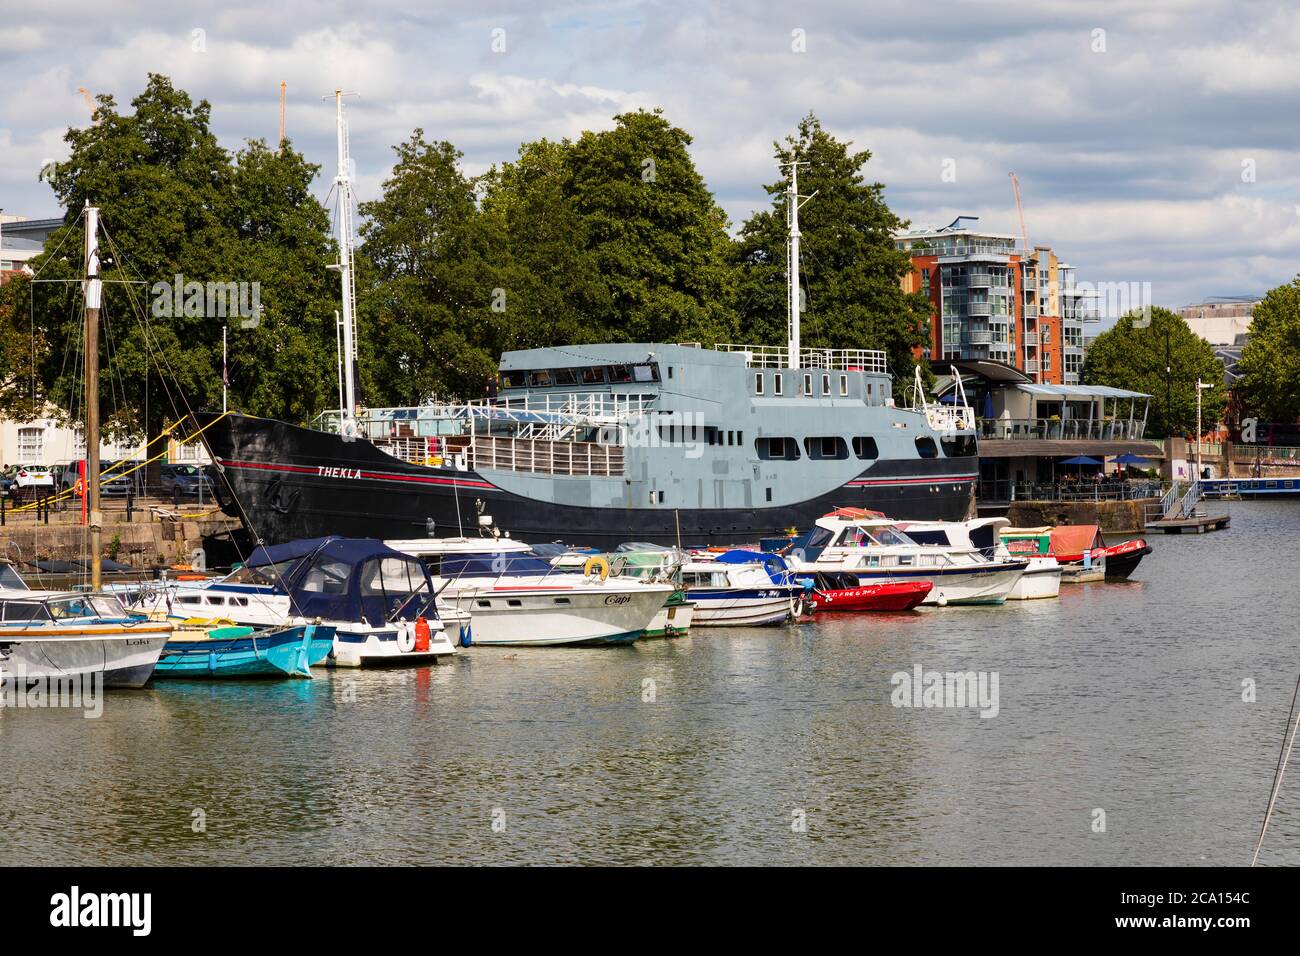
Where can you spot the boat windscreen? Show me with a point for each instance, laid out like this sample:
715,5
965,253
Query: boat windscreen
493,565
9,578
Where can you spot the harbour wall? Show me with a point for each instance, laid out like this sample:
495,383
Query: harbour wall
1118,517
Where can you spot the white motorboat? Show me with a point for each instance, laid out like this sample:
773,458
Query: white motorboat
380,602
519,598
873,548
741,589
1042,578
647,562
62,636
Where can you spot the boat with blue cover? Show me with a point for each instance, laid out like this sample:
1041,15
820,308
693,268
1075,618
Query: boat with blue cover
197,650
740,588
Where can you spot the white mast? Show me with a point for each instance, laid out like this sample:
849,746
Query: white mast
793,304
347,421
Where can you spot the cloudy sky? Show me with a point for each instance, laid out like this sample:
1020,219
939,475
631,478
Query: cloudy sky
1154,141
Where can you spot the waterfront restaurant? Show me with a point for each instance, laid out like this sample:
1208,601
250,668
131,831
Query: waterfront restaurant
1028,430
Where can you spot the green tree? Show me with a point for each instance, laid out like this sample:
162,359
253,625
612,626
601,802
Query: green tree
173,203
655,233
1162,357
22,348
426,320
1270,362
850,269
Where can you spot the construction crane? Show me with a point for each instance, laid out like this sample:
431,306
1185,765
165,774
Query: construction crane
281,146
90,103
1027,255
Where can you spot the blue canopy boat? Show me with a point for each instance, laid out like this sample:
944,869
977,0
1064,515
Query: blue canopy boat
204,652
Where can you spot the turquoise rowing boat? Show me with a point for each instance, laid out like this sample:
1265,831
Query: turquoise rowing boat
203,653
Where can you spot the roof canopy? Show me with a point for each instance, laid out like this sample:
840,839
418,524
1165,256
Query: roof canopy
1080,391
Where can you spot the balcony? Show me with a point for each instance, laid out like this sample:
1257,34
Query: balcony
979,308
1031,311
1052,429
979,280
1031,338
980,337
1031,366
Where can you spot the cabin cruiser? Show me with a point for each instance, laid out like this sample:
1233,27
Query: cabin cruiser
1082,549
380,602
519,598
53,635
741,588
1042,578
647,562
873,548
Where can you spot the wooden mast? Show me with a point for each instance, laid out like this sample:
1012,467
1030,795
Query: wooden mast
93,291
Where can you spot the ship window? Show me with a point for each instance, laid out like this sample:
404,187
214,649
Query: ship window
807,384
864,446
731,438
740,438
515,603
926,448
620,373
564,601
566,376
484,603
826,384
770,449
670,371
769,494
661,497
540,379
959,446
512,379
778,384
593,376
190,600
844,385
826,448
712,436
645,373
758,383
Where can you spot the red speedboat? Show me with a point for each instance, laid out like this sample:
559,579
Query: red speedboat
1122,558
842,592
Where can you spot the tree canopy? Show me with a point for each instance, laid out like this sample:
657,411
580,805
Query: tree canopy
1270,362
850,270
1163,358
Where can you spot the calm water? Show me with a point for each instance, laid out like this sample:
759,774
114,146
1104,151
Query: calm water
1121,697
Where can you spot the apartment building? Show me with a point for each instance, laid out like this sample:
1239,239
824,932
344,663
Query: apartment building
995,300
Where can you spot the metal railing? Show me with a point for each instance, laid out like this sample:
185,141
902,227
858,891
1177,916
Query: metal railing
1048,429
841,360
1084,489
587,459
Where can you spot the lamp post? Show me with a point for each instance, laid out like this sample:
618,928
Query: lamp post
1200,387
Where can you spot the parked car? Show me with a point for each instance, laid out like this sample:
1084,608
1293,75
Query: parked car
29,482
115,483
185,481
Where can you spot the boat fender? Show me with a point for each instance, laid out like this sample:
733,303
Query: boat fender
405,638
466,635
943,599
422,633
596,563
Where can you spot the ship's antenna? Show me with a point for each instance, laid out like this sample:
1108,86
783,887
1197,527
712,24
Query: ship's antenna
793,203
347,419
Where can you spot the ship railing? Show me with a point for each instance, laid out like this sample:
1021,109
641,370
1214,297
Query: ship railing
840,360
1056,429
541,456
944,418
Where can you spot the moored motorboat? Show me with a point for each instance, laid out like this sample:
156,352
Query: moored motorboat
1042,579
49,635
1079,550
875,549
834,592
741,588
519,598
1122,559
197,650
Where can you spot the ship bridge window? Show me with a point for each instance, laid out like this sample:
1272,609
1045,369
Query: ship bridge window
778,384
958,446
864,446
777,449
758,383
926,448
826,448
645,373
540,378
619,373
513,379
592,376
565,376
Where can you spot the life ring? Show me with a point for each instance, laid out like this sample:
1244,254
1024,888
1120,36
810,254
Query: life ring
596,562
405,638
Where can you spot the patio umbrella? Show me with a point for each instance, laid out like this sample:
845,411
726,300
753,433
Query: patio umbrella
1081,460
1128,458
988,405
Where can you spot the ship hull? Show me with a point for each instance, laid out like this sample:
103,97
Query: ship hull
285,483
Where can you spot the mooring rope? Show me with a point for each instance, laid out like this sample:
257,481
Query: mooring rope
1282,759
